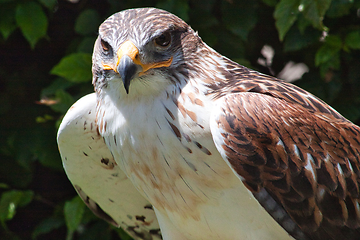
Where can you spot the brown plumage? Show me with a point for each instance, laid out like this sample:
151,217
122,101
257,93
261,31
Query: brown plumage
306,160
191,128
305,154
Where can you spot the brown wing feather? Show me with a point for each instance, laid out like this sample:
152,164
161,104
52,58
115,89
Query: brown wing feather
308,160
236,78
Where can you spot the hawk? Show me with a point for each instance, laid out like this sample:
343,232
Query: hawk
180,137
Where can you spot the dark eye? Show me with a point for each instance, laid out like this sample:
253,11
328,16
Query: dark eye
105,45
163,40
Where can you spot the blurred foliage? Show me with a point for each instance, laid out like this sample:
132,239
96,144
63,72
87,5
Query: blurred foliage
45,49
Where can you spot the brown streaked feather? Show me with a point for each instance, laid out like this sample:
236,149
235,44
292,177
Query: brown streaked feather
297,154
307,159
241,79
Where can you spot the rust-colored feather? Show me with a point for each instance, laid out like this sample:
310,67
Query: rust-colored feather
299,149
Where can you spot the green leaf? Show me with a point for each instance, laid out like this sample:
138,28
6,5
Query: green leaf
58,83
89,216
339,8
10,200
327,51
286,13
87,22
101,230
239,18
314,11
302,23
333,63
295,40
44,148
352,40
32,21
86,45
73,211
123,235
65,100
7,20
47,225
75,67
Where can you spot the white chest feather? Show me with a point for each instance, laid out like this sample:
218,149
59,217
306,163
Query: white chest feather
165,147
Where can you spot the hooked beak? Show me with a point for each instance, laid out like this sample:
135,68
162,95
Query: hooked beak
127,70
129,63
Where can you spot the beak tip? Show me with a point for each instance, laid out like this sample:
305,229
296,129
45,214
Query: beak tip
127,70
126,83
126,89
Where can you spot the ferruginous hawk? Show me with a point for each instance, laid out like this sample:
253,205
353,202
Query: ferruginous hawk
219,151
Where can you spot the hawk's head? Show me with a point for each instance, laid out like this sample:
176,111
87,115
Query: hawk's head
142,49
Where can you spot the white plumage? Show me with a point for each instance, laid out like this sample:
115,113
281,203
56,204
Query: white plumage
97,178
219,150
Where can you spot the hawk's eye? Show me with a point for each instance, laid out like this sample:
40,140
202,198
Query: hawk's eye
105,45
163,40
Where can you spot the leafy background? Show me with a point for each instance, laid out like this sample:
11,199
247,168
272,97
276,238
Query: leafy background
45,56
